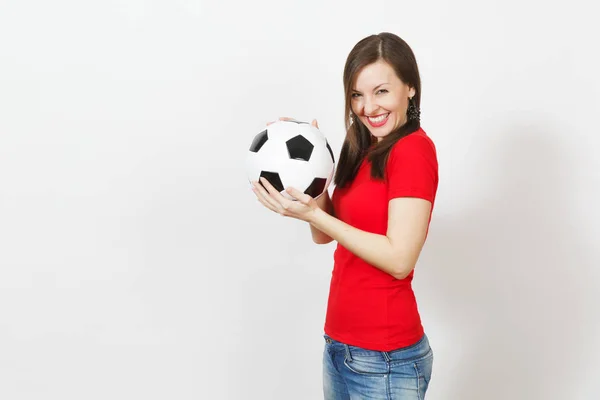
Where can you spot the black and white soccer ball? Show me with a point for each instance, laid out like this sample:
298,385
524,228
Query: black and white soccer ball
292,153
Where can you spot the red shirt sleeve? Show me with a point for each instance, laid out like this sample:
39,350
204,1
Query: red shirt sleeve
412,168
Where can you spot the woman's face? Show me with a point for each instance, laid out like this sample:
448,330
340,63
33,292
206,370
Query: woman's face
380,99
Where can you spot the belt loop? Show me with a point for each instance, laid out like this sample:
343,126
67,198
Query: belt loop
386,356
348,355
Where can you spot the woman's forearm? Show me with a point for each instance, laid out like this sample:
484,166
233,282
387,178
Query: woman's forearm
324,203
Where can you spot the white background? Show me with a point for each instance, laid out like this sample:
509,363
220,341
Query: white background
135,263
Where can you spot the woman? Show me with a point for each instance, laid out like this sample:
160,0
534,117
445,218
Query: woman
379,214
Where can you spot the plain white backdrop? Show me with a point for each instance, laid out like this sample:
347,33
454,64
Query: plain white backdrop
135,263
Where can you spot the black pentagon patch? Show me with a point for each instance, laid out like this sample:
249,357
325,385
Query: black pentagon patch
330,153
299,148
259,141
316,187
273,178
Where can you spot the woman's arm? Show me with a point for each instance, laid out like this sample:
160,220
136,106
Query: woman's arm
397,251
325,204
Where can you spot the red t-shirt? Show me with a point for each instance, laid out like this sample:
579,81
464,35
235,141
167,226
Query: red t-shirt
367,307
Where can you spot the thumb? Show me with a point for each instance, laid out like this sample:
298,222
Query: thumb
315,124
298,195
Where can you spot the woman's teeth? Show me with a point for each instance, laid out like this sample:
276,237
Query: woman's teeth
379,118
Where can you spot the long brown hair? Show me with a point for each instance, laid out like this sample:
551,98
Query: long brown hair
358,143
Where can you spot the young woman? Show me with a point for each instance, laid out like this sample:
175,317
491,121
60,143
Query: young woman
385,187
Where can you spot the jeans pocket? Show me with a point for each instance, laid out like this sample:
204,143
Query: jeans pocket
424,368
367,365
411,354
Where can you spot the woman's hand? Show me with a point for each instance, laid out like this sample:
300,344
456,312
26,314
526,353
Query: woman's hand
303,208
313,123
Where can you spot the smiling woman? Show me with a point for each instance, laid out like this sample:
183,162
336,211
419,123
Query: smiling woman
381,106
379,214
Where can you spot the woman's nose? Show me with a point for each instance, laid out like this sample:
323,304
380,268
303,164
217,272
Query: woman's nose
370,107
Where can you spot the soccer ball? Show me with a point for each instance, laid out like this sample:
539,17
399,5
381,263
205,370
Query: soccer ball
291,153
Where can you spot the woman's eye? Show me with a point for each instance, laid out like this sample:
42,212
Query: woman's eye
355,95
382,91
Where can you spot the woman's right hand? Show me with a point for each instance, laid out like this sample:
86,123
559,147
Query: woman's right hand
313,123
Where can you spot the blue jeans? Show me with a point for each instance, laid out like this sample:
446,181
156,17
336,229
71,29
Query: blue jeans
351,372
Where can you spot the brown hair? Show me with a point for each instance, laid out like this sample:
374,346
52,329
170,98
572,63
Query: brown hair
358,143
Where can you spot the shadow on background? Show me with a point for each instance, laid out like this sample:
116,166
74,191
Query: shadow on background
511,269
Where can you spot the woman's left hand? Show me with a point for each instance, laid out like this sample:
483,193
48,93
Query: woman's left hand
303,208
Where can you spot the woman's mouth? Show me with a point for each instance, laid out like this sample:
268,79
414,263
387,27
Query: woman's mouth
379,120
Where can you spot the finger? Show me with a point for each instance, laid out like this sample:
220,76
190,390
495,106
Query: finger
275,195
262,201
315,123
254,186
266,185
266,197
281,119
298,195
